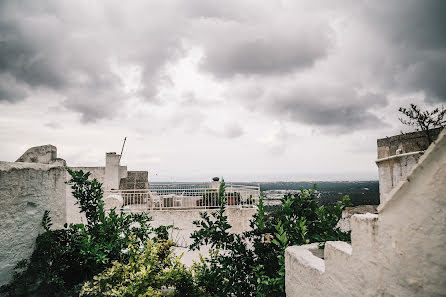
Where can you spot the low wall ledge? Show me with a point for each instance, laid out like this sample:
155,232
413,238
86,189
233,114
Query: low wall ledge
305,257
399,156
365,217
341,246
6,166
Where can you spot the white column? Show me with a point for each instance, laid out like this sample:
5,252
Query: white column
112,176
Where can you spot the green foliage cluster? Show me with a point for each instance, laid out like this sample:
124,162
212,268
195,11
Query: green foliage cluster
151,270
252,263
63,259
122,255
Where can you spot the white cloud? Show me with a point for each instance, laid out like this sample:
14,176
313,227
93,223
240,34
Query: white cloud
262,89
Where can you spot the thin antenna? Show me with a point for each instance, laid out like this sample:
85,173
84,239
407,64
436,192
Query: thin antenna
122,150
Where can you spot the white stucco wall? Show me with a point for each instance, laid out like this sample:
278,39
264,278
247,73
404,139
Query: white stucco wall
26,191
392,171
182,219
113,171
399,252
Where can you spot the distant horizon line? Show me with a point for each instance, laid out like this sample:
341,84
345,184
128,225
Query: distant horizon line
278,181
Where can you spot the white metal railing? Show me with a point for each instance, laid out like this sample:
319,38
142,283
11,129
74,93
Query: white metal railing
181,196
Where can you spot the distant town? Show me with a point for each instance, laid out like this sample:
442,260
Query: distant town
360,192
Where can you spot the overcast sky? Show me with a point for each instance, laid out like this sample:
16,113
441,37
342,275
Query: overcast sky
249,90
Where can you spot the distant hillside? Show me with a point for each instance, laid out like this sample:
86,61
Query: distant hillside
360,192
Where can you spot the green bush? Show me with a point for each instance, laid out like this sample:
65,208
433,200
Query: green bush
63,259
122,255
252,263
154,271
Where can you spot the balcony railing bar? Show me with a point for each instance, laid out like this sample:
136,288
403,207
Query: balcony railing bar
179,196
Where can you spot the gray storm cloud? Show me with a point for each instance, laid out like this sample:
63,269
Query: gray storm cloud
261,48
333,108
66,48
415,33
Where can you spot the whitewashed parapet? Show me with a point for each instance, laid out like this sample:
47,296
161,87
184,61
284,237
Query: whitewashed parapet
399,252
397,155
304,271
26,191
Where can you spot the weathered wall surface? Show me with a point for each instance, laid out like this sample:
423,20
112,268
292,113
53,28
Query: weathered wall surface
399,252
182,219
406,143
397,155
44,154
26,191
348,212
394,170
414,221
135,180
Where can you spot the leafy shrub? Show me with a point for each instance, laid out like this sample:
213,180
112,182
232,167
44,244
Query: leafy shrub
113,254
63,259
252,263
150,272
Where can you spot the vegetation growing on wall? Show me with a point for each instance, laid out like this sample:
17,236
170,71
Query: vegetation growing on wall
122,255
151,270
252,263
63,259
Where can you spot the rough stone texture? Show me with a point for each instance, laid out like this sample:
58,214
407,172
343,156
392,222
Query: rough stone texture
182,219
348,212
406,143
302,268
392,171
44,154
26,191
400,252
397,155
135,180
